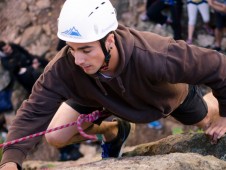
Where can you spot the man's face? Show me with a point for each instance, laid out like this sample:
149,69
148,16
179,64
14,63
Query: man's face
7,49
89,56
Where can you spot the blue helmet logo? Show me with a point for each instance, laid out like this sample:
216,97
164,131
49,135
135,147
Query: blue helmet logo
72,32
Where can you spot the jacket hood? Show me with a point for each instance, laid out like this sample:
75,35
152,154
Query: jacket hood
125,44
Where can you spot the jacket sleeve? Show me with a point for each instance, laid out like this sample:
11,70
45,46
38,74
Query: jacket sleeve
33,116
197,65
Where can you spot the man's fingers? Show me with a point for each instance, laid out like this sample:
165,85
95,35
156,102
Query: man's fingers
212,134
215,133
221,133
214,138
210,130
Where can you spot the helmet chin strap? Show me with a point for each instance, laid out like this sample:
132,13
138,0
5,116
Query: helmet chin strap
106,54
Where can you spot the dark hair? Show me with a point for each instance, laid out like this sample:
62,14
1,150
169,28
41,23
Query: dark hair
102,44
104,38
2,44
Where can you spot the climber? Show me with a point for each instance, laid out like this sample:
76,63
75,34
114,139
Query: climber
137,76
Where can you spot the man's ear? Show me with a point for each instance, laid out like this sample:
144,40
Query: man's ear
110,41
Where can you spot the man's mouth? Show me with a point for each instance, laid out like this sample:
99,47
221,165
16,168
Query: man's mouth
86,67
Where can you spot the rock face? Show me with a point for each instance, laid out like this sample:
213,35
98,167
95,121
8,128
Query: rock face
196,143
175,152
173,161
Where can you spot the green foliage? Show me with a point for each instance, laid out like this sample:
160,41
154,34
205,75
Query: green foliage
1,141
197,131
177,130
48,166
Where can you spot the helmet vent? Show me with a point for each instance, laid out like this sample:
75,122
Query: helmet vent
96,8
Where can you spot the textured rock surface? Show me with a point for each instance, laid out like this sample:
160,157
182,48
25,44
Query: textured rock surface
173,161
183,143
175,152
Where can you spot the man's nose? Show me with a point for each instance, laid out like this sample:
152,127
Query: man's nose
79,59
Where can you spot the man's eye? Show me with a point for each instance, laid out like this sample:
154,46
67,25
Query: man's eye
86,51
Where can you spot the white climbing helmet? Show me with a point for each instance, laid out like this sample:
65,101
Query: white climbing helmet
83,21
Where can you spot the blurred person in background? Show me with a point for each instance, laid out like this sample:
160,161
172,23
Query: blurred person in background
193,6
154,12
25,67
21,66
6,106
220,14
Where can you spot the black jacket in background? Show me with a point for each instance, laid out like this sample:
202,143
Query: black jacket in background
21,58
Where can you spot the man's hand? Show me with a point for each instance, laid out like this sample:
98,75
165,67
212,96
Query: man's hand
217,129
9,166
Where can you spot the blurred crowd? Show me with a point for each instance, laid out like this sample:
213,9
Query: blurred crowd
173,12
